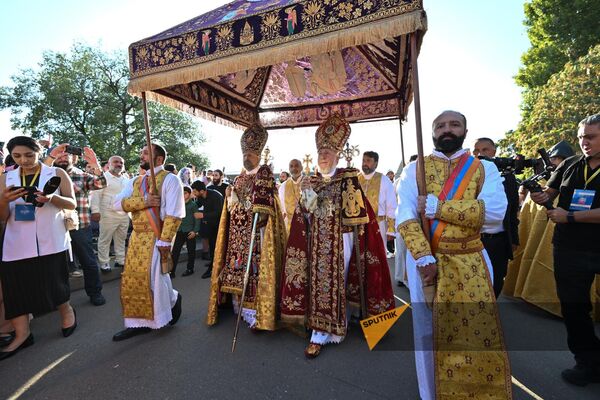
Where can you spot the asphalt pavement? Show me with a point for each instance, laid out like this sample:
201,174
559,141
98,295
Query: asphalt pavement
193,361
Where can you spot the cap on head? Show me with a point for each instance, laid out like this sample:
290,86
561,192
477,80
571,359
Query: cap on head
561,149
254,139
333,133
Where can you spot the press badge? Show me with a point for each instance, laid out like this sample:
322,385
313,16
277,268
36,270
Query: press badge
582,200
24,212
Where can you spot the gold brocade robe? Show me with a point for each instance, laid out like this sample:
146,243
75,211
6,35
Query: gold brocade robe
291,197
531,273
255,193
470,360
137,299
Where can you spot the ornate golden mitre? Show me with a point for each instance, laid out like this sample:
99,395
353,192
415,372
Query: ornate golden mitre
333,133
254,139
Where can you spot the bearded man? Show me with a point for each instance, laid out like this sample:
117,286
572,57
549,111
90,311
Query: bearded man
323,277
147,295
113,224
253,192
459,347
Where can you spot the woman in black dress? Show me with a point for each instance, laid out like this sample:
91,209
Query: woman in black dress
33,270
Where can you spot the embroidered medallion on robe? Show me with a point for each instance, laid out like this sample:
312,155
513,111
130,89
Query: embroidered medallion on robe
315,291
255,193
470,357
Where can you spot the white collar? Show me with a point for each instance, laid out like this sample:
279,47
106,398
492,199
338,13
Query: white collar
298,181
329,175
254,171
458,154
368,177
156,170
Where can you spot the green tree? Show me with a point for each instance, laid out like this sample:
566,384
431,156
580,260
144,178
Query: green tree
567,98
80,97
560,31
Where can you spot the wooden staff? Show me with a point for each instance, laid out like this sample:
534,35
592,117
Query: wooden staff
420,153
246,278
402,143
149,144
428,290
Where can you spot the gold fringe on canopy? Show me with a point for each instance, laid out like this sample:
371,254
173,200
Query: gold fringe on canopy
340,39
159,98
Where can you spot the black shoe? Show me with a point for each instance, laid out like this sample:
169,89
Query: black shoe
118,265
97,299
172,275
7,338
176,310
401,284
581,375
187,272
129,333
7,354
207,274
66,332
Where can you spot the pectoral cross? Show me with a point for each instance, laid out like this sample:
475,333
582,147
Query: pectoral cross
307,161
349,153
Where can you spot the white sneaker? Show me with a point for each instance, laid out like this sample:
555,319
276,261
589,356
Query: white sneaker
105,267
76,274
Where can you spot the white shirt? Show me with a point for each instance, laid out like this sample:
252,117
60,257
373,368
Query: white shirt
492,194
102,200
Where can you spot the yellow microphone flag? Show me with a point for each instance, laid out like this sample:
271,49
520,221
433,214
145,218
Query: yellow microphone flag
375,328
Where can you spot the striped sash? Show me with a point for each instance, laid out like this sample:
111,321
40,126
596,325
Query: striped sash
454,189
152,213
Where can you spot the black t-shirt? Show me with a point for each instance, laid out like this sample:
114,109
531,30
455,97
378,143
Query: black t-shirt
570,176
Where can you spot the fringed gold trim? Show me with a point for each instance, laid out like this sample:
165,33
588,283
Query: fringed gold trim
159,98
258,208
367,33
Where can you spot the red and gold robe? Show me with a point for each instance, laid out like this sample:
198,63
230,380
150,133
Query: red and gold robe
314,287
254,193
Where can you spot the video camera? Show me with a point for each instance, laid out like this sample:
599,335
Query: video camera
532,184
517,164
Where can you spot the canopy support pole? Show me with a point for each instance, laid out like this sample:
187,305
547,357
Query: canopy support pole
149,144
420,153
402,143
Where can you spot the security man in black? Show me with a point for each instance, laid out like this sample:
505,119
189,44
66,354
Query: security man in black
577,247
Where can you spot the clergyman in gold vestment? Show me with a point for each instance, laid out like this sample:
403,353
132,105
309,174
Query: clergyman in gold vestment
147,295
459,345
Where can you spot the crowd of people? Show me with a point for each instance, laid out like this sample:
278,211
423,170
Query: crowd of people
307,250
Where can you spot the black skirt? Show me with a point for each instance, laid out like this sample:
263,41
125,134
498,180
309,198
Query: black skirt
35,285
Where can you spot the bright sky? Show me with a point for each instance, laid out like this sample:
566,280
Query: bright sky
469,56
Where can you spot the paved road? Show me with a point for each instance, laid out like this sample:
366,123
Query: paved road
193,361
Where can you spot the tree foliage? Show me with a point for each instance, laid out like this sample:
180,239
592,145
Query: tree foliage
80,97
560,31
567,98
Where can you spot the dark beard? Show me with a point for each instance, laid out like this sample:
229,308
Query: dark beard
145,165
367,170
216,182
448,146
66,167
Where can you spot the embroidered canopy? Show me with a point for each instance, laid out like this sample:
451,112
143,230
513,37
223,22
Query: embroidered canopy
284,63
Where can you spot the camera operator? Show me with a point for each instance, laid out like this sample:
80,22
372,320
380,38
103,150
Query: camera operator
501,240
65,157
576,182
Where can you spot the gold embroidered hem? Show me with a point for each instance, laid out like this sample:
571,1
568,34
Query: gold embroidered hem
470,356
